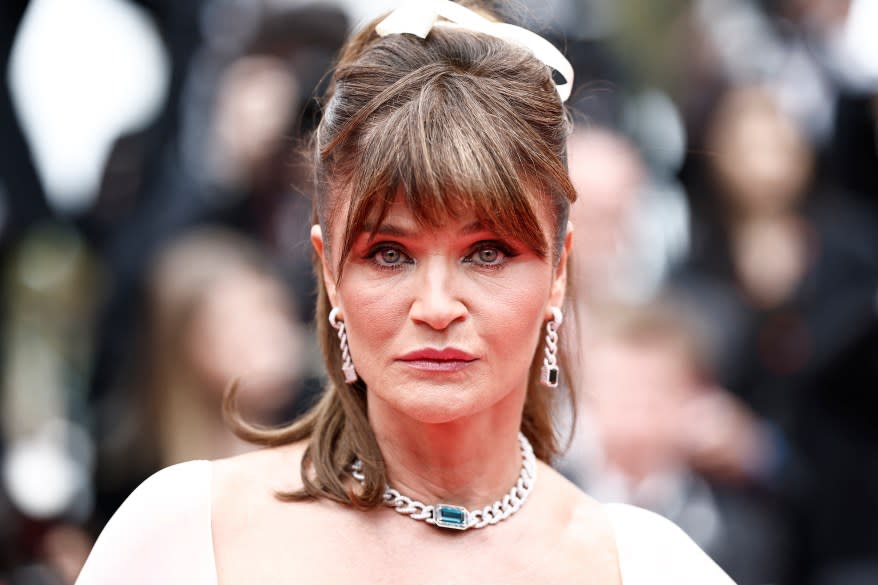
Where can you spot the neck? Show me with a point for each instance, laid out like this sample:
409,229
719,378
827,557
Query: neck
469,462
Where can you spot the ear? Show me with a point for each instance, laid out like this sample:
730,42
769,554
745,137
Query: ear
326,264
559,279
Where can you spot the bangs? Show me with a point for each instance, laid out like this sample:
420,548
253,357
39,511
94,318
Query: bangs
445,165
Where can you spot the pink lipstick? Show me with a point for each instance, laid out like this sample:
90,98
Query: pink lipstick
438,360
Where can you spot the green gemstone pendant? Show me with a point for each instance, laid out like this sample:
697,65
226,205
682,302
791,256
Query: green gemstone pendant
448,516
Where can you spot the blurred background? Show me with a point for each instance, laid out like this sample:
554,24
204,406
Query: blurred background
154,217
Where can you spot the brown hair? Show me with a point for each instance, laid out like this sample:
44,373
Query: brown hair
459,122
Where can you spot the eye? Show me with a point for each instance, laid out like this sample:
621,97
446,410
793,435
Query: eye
389,257
489,255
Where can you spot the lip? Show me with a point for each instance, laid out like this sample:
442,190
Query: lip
448,359
446,354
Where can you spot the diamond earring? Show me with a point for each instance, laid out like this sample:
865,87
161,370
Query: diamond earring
550,374
347,365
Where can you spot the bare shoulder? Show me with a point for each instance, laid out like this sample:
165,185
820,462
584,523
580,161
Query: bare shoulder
159,535
245,487
253,530
274,469
584,517
585,526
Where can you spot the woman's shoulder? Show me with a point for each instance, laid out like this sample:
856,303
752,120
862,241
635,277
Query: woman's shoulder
160,533
654,550
647,548
585,530
257,473
245,489
170,498
581,515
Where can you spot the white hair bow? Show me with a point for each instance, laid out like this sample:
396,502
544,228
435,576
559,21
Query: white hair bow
418,17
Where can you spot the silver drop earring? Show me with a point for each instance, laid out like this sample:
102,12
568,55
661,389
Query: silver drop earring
550,374
347,365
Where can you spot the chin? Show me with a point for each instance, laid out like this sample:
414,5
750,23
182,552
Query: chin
440,415
436,403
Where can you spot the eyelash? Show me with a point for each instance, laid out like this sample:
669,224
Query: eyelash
372,256
504,253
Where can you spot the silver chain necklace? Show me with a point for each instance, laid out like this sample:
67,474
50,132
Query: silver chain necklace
458,517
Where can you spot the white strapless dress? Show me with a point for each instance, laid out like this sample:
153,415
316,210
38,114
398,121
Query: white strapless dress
162,535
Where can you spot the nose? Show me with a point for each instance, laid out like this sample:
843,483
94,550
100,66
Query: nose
437,302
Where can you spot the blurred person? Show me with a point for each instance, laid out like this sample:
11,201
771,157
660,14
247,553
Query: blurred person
441,241
609,177
788,274
654,427
217,311
780,44
248,112
256,101
247,160
242,95
815,56
762,166
146,196
631,231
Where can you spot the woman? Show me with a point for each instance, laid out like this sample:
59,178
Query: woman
441,243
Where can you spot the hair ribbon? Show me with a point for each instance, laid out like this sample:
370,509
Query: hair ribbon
418,17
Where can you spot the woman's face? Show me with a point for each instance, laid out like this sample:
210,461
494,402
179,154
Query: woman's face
442,323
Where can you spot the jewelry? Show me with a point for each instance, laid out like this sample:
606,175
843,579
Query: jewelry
347,365
550,374
418,17
458,517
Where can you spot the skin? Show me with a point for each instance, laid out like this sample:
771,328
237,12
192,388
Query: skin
439,292
445,435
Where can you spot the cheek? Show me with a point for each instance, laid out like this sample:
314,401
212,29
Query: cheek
374,313
516,310
510,318
504,317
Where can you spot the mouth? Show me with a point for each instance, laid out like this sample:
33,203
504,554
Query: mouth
438,360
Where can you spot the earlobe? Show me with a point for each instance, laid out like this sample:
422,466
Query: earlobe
328,278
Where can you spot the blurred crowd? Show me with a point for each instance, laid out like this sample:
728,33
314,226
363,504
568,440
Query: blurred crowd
725,156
